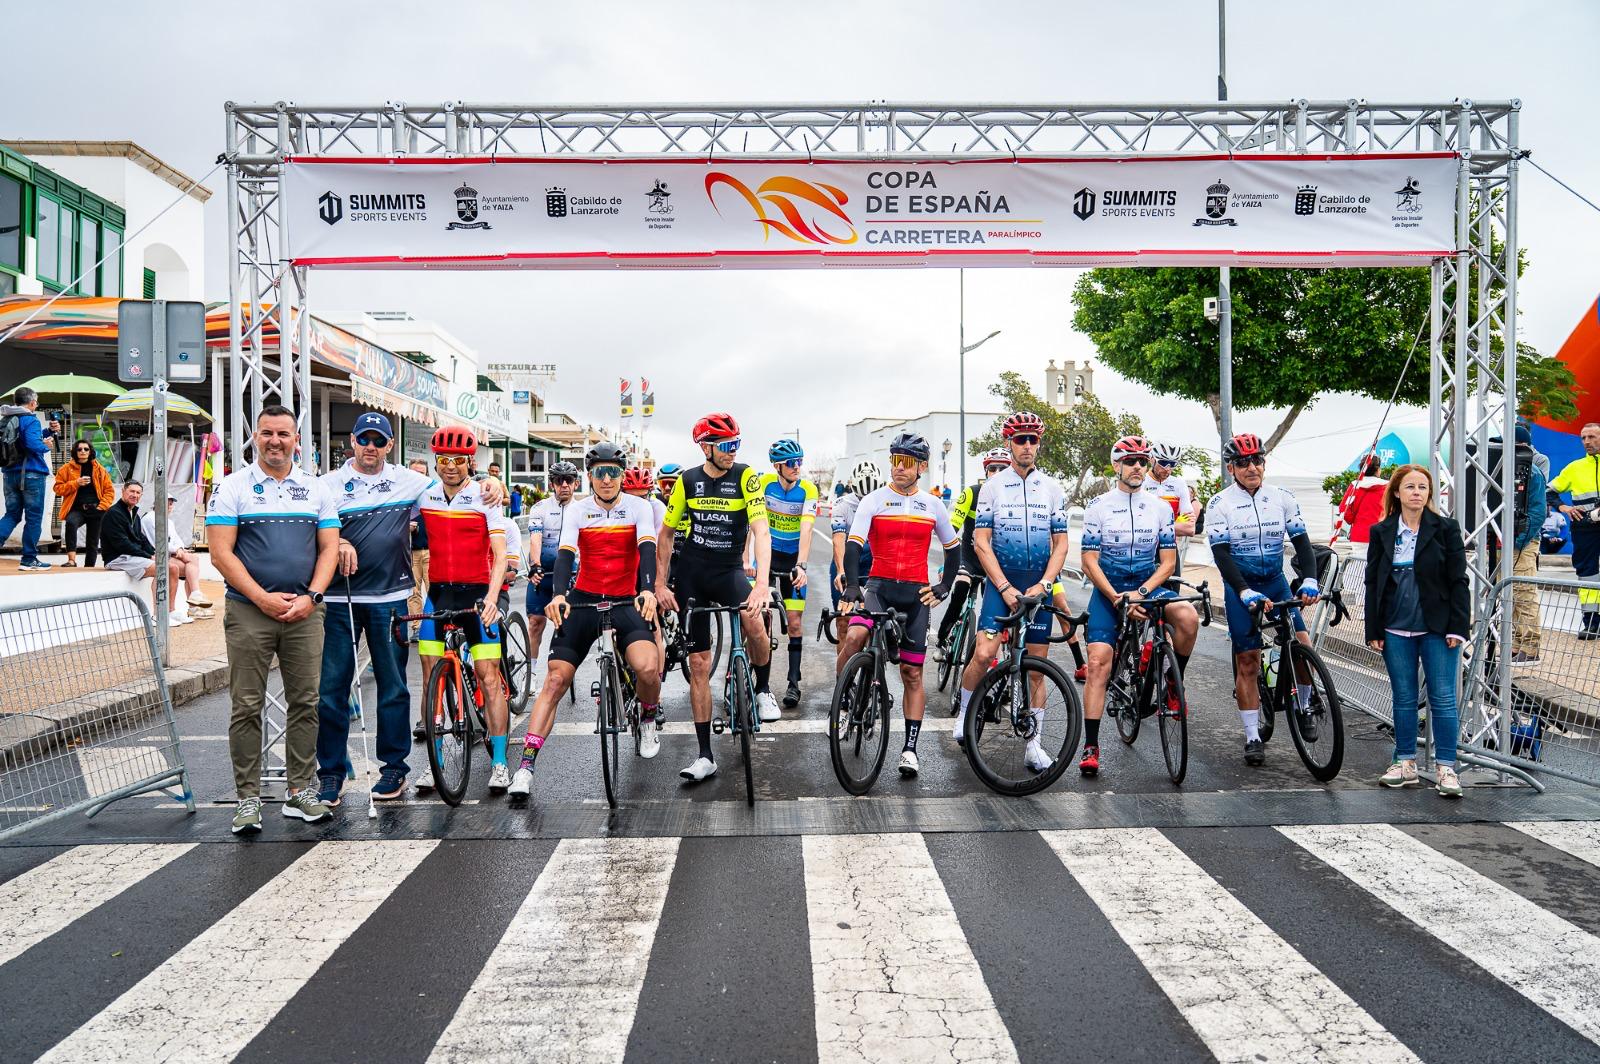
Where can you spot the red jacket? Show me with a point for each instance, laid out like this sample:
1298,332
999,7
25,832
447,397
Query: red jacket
1361,508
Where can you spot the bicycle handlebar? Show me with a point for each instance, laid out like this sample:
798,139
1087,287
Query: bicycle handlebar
1032,605
441,615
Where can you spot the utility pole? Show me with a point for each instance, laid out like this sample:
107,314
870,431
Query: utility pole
1225,275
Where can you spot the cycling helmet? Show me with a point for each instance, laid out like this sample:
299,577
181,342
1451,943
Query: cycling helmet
1022,422
996,456
1242,446
1128,447
669,471
453,439
910,443
605,453
637,478
1169,453
866,479
784,451
714,427
563,469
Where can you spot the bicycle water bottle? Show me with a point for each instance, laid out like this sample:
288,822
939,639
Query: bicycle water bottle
1144,655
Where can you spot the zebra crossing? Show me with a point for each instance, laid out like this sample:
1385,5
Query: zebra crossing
1351,942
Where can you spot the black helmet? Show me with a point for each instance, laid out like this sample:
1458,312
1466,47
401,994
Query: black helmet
911,444
606,453
563,469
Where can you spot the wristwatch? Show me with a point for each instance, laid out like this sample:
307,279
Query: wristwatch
316,597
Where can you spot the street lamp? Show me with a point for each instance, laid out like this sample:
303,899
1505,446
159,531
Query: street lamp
944,458
966,347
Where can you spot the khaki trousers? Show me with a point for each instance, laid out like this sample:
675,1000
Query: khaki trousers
253,640
1525,601
419,576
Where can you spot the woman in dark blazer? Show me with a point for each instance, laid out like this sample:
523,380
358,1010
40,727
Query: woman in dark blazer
1418,611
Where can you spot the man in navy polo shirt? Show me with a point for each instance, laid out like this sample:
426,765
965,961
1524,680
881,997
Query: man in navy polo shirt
273,532
377,502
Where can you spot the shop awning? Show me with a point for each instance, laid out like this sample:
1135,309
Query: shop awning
364,392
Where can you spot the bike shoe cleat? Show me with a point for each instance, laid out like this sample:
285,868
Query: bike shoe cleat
521,784
499,778
1089,763
649,739
702,769
791,697
1255,753
908,764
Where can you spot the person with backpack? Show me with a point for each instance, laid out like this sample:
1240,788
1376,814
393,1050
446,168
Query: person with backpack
1529,507
23,451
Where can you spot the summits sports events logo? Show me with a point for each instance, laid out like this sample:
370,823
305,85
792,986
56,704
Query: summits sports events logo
1126,203
806,212
373,207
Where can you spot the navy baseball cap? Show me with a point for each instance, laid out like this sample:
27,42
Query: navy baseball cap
372,421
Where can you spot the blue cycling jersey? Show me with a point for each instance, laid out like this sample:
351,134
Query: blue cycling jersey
544,523
786,508
1130,530
1254,527
1022,514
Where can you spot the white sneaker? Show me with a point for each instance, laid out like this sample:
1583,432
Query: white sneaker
522,783
175,619
768,707
499,778
959,732
702,769
425,781
649,739
198,598
908,763
1035,757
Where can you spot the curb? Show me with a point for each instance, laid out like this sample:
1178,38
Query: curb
26,736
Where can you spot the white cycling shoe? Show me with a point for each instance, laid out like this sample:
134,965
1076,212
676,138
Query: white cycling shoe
768,707
649,739
521,783
1035,758
908,763
702,769
499,778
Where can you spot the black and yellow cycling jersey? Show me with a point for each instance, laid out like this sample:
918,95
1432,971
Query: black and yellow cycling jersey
713,513
966,505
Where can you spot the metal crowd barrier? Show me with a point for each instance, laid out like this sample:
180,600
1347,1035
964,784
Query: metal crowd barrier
85,714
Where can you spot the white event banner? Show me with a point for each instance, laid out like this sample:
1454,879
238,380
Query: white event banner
1263,210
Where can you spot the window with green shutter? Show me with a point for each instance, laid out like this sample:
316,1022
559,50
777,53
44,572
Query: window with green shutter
149,284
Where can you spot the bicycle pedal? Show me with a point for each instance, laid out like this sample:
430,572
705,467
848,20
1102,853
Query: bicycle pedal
718,725
594,690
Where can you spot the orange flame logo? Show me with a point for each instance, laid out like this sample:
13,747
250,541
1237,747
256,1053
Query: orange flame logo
804,206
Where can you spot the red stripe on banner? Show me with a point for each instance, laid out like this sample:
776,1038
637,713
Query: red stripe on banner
703,160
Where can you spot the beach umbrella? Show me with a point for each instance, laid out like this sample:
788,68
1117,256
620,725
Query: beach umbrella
180,411
70,384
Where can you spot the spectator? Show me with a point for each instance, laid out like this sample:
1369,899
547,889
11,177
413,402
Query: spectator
274,535
1581,477
23,451
128,549
377,502
1418,609
86,493
1529,509
1553,534
178,550
1362,504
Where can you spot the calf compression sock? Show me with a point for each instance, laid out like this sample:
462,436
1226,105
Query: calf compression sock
531,745
913,729
497,749
1091,733
1252,724
795,647
763,678
702,732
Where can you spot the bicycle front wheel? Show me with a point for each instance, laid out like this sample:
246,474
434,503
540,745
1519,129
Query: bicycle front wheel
1040,725
744,721
858,726
1318,728
516,661
605,725
1172,714
449,728
1122,693
1265,691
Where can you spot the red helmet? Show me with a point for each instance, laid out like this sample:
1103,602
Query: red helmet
1129,447
1022,422
637,478
714,427
453,439
1243,446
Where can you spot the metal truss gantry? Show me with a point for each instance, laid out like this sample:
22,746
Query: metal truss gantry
1472,335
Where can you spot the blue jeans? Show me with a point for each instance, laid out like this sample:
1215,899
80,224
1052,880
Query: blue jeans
1401,655
25,507
338,670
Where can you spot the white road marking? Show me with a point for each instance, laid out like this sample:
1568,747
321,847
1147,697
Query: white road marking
1546,959
1580,838
208,1000
1247,993
564,982
893,977
45,899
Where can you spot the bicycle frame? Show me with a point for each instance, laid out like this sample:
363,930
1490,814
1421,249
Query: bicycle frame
1157,629
1014,649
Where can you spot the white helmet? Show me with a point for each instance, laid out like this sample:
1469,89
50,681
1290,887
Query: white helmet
866,478
1161,451
996,456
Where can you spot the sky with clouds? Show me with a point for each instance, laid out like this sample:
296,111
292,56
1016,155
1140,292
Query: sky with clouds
815,350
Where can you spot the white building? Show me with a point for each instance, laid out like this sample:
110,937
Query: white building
870,437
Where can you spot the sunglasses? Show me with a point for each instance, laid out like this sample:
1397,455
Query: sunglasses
1136,460
1250,460
1026,440
727,446
606,472
902,461
371,439
451,459
558,481
1166,465
793,463
996,468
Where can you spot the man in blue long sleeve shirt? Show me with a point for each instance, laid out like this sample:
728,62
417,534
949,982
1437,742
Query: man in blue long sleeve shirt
25,478
1525,562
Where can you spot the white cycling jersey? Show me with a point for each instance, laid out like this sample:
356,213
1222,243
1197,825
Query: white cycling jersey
1129,529
1022,514
1174,491
1254,526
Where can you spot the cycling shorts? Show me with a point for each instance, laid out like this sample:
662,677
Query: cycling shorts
881,594
833,585
1102,626
783,564
993,608
698,586
483,640
540,593
1242,628
578,632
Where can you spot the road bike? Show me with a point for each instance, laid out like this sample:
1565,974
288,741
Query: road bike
1145,679
956,650
738,693
516,661
858,716
1023,698
1317,728
675,638
616,701
452,703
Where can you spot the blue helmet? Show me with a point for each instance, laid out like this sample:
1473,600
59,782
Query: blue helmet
671,469
785,451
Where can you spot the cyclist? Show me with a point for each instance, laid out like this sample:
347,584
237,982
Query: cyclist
466,566
715,504
865,479
897,521
638,482
994,460
1174,491
791,511
1021,544
615,535
544,536
1129,550
1246,524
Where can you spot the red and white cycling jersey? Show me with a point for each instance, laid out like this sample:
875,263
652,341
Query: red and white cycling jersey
458,533
607,542
898,529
